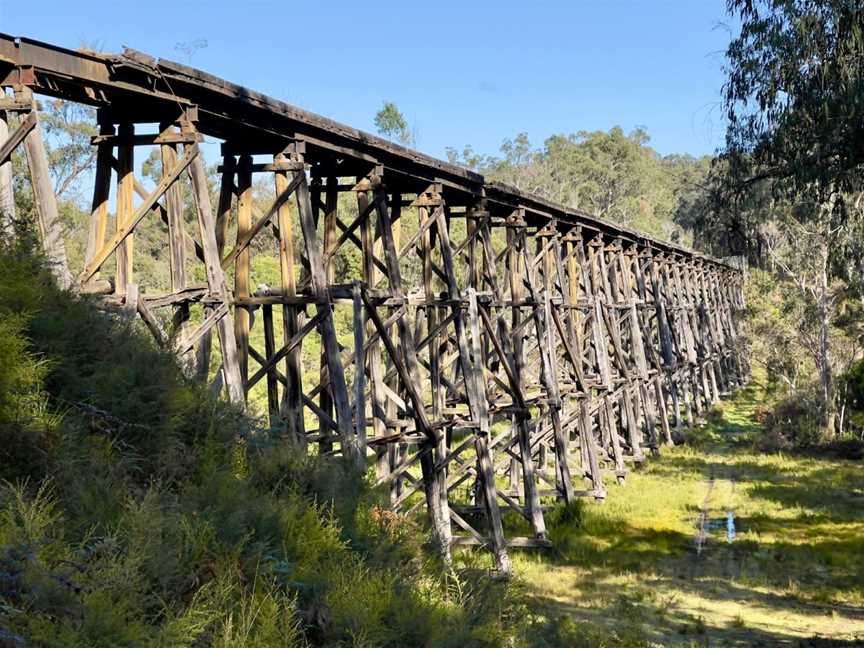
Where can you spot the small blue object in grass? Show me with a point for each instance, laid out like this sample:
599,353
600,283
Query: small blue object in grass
730,526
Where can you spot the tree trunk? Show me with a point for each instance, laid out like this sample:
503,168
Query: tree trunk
826,376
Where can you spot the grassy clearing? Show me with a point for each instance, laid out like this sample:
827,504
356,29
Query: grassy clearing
627,572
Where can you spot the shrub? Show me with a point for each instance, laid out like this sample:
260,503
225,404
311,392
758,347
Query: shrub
794,421
138,510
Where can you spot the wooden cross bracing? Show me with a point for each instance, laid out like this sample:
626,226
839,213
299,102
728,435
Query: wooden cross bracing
488,355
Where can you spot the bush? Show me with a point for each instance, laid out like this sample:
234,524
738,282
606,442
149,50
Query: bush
794,421
137,510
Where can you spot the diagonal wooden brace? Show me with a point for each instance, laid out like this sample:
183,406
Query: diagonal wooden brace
99,258
261,223
185,344
17,137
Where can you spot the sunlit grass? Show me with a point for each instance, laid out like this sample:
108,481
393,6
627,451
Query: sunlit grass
794,568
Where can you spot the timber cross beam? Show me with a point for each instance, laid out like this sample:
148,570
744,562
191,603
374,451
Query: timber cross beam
491,350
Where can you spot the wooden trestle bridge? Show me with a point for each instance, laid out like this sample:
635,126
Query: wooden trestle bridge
541,352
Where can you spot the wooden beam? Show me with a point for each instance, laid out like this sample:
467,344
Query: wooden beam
243,266
129,226
291,403
318,278
7,197
216,279
12,141
50,227
101,195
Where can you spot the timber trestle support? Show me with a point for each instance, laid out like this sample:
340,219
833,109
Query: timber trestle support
490,352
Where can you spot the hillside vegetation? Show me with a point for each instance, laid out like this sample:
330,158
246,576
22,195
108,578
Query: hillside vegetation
136,510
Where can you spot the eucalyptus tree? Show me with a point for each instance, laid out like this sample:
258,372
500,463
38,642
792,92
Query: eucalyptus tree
391,123
611,174
794,100
66,129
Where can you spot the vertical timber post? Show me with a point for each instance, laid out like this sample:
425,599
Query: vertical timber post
50,226
216,278
7,197
292,396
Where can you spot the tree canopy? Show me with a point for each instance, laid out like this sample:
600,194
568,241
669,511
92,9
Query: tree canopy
391,123
795,93
611,174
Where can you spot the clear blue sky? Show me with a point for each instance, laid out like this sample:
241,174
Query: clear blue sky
462,72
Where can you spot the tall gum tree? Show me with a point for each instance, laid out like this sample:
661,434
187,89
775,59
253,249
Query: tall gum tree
794,98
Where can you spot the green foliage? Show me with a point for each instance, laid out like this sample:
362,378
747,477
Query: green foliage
794,421
604,172
609,174
792,121
721,224
566,631
390,122
156,516
27,425
854,382
777,328
68,127
783,327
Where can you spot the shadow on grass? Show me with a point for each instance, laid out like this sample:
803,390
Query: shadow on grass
653,584
634,621
836,490
812,561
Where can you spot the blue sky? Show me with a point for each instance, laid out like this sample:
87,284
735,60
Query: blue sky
462,72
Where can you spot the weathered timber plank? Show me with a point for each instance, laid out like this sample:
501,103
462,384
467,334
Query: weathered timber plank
216,279
50,226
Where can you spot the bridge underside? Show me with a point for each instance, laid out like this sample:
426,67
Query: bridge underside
490,351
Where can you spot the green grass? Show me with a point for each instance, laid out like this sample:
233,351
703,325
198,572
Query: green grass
629,568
